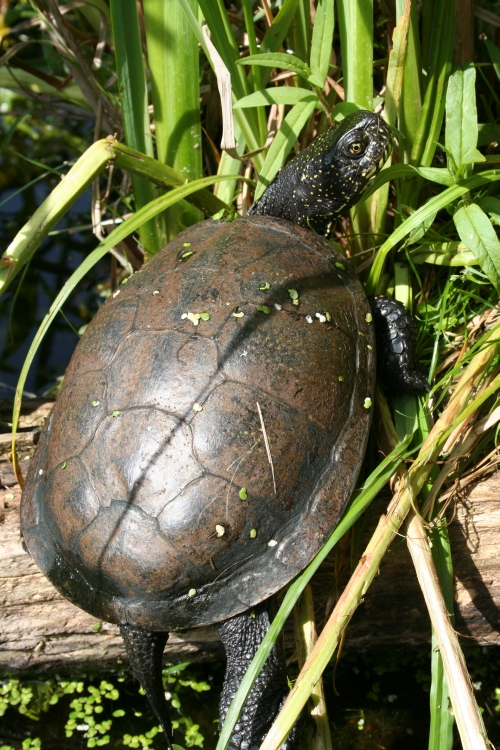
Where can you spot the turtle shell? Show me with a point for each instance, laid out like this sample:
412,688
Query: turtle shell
209,430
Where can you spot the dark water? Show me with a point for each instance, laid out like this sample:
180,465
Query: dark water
29,297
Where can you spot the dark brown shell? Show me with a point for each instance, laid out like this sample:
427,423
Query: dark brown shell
133,503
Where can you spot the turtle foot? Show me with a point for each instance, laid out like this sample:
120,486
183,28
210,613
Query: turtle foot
396,346
241,636
145,652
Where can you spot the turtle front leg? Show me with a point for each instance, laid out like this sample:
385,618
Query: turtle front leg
145,652
241,636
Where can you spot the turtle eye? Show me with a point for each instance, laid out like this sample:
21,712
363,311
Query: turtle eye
356,148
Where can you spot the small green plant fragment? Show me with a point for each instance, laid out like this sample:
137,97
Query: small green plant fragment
243,493
264,287
293,294
116,413
263,308
197,406
125,280
96,402
340,265
253,533
192,592
367,403
186,255
368,317
64,464
205,316
186,244
97,627
341,378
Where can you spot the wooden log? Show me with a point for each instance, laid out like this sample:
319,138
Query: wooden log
42,632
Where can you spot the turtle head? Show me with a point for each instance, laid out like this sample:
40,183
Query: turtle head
330,175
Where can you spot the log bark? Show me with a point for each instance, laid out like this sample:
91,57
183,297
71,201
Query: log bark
40,632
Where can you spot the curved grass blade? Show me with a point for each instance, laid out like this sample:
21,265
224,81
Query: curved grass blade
120,233
276,33
476,231
434,205
283,143
359,503
80,176
278,95
285,62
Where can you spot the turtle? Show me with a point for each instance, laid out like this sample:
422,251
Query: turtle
212,423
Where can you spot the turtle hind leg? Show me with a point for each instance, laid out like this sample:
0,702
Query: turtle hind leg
145,652
241,636
396,339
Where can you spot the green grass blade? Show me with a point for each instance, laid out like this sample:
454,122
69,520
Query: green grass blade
25,243
442,721
223,39
461,118
164,176
172,51
361,500
283,143
117,235
411,95
131,75
395,68
432,206
278,95
299,34
276,33
285,61
494,53
356,41
476,231
322,37
256,74
441,49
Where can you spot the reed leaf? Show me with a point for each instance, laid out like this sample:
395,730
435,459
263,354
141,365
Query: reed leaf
132,78
172,51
